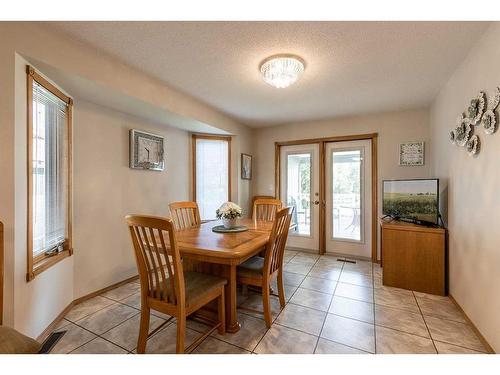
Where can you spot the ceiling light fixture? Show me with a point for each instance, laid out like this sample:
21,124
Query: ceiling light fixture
282,70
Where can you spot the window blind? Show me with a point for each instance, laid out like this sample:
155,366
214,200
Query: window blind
212,175
50,170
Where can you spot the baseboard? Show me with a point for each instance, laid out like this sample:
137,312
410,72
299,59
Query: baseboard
474,328
46,332
104,290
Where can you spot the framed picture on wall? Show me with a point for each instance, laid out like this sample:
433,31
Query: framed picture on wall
411,153
246,167
146,151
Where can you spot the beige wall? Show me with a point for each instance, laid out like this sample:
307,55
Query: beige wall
392,128
473,186
104,186
106,189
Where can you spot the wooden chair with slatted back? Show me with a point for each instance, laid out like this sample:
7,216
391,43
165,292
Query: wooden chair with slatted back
261,271
255,197
266,208
165,287
184,215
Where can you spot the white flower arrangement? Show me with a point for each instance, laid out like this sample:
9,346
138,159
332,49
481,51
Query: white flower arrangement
228,211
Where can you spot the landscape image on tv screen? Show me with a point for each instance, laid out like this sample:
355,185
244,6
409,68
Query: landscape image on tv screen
412,199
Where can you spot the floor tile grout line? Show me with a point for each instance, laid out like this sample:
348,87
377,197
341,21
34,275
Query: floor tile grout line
349,346
105,339
401,331
99,295
432,338
225,342
92,313
329,306
425,322
99,334
274,320
461,346
95,334
120,300
297,330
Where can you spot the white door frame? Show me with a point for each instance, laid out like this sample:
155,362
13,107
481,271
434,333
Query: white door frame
302,241
345,246
322,142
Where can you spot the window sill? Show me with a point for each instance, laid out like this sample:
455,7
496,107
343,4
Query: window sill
44,262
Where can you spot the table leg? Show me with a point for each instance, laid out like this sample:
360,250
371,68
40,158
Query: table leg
232,324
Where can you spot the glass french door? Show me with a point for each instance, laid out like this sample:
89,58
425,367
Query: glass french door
348,198
299,184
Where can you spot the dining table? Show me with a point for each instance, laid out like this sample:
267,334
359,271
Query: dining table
204,250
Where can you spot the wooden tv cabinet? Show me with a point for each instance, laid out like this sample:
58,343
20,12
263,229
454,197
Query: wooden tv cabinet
413,257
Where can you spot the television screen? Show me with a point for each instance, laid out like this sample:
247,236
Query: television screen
412,199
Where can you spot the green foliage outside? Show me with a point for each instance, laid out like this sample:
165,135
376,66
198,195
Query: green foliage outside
422,206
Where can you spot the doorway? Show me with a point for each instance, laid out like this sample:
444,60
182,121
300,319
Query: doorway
332,184
300,189
348,198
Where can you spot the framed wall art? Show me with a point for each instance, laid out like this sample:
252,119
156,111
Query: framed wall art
246,167
146,151
411,154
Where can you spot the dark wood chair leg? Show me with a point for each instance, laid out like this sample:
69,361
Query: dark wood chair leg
281,290
143,330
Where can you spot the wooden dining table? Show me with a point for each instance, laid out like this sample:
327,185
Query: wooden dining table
220,253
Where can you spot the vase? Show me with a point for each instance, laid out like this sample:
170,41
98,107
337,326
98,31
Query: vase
229,223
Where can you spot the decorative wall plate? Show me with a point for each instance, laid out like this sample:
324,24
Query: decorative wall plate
489,122
473,145
495,101
452,136
463,132
476,108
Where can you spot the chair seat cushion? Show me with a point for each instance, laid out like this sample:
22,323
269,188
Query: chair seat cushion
252,268
197,284
13,342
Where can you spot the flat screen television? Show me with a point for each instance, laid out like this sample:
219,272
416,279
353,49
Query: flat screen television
412,200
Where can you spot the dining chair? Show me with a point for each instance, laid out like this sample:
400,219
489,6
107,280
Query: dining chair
165,287
261,271
265,208
255,197
184,215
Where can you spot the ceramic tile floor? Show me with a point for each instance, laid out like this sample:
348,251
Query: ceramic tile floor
333,307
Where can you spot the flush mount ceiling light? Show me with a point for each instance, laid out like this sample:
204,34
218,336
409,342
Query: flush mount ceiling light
282,70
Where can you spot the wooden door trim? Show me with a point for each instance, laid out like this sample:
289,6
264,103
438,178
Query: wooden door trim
1,273
322,180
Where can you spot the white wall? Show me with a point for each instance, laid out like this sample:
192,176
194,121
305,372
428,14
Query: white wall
392,128
472,190
103,184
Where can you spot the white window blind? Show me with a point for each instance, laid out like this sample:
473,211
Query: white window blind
50,170
212,175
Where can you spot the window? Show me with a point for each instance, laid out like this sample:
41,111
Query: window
211,173
49,174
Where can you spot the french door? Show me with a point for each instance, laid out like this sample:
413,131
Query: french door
299,178
329,181
348,177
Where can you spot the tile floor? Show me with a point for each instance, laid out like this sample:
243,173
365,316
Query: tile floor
333,307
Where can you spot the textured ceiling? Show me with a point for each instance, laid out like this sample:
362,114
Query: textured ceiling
351,67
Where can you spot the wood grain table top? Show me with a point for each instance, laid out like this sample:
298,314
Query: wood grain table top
232,248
